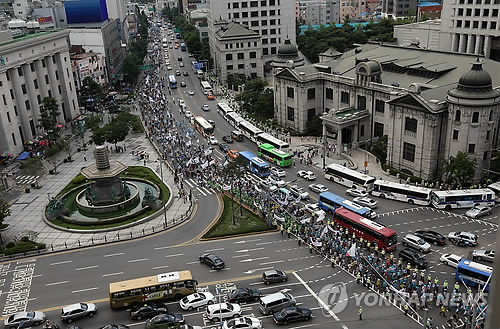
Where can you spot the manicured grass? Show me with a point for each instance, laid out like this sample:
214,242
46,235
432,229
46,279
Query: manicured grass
247,223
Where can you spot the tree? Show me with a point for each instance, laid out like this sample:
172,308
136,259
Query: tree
379,149
49,111
233,172
92,88
99,136
4,213
66,146
33,167
131,67
51,154
314,126
117,131
458,170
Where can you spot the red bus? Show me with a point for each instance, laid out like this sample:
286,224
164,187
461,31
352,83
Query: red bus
384,237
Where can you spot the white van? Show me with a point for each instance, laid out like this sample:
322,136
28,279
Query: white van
200,74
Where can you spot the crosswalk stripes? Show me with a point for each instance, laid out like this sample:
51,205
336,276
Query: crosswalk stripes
202,190
26,180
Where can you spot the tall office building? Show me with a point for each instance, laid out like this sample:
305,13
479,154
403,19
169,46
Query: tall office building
274,20
471,27
316,12
400,8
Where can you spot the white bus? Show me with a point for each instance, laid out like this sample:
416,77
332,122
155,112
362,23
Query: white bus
348,177
462,198
265,138
224,109
495,187
203,126
249,130
205,87
402,192
234,119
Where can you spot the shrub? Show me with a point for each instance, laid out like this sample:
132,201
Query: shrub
10,245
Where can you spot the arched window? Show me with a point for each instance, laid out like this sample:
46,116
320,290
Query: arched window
475,117
458,115
491,116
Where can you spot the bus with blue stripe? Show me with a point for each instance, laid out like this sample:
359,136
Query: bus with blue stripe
172,82
255,164
449,199
474,274
402,192
329,201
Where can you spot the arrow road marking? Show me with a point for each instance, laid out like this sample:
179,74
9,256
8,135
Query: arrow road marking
250,259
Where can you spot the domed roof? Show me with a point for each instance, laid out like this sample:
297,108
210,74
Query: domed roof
288,49
476,79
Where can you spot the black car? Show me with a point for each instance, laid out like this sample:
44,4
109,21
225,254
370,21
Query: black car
147,312
244,295
227,139
213,261
224,147
165,320
413,257
432,237
179,59
292,314
274,276
185,73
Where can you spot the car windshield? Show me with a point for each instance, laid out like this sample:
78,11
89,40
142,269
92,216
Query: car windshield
420,241
83,306
230,307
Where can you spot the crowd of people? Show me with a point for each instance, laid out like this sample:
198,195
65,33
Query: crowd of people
190,157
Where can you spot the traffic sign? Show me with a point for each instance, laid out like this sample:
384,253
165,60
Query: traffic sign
145,67
198,65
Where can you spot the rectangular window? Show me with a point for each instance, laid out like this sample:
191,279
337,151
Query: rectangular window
229,67
39,99
35,82
311,93
4,100
472,148
254,4
329,93
290,113
8,116
229,57
254,23
254,14
485,155
15,110
14,139
253,54
241,66
244,4
378,129
23,88
265,51
361,102
236,15
263,22
59,89
290,92
344,97
263,13
244,14
241,55
409,152
488,133
12,94
455,134
32,67
379,106
57,75
27,104
273,50
46,79
20,71
411,125
311,113
43,63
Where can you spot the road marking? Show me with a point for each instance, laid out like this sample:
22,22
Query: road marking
247,255
166,247
191,263
245,241
138,260
201,191
252,259
222,269
248,250
86,268
112,255
175,255
55,283
158,267
320,301
63,262
111,274
262,243
83,290
217,249
273,262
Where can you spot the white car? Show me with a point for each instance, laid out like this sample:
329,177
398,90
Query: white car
312,207
463,237
212,140
478,211
169,68
299,192
191,92
181,64
450,259
245,322
356,192
205,107
366,202
196,300
223,311
488,255
188,114
278,172
266,186
275,180
181,102
307,175
318,188
168,63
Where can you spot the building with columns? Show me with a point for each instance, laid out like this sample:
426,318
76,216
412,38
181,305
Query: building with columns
409,94
32,67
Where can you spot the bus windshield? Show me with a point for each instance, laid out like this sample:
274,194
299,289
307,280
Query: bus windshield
172,82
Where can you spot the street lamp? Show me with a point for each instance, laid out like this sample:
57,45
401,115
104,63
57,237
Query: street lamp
161,174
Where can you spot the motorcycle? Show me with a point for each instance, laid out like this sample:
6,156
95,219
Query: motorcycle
50,325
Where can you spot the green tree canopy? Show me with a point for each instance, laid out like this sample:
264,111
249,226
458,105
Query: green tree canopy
458,170
49,111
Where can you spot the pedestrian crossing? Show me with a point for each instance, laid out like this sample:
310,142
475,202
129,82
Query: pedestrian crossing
205,190
26,180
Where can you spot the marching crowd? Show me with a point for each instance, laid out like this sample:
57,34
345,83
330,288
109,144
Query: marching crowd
409,287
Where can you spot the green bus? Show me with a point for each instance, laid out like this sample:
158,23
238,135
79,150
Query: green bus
272,154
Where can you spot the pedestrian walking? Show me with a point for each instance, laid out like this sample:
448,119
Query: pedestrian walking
360,311
84,157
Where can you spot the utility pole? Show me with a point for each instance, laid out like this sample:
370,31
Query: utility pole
325,142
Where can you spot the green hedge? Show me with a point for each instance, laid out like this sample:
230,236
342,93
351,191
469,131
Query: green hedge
22,245
137,125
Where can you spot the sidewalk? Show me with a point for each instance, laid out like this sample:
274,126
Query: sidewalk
27,209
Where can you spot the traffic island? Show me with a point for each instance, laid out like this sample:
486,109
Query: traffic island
236,219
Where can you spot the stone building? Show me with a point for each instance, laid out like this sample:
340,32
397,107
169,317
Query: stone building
410,94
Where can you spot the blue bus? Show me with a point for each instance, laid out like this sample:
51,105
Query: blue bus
172,82
473,274
183,46
255,164
329,201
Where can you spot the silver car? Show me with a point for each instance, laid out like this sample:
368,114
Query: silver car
415,242
318,188
24,319
78,310
366,202
478,211
488,255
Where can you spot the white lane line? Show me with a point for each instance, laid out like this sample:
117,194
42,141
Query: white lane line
83,290
112,255
208,250
201,191
86,268
158,267
222,269
320,301
262,243
247,255
245,241
166,247
39,275
111,274
191,263
63,262
174,255
273,262
56,283
138,260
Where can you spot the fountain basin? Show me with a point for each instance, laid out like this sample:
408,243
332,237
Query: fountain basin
84,206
